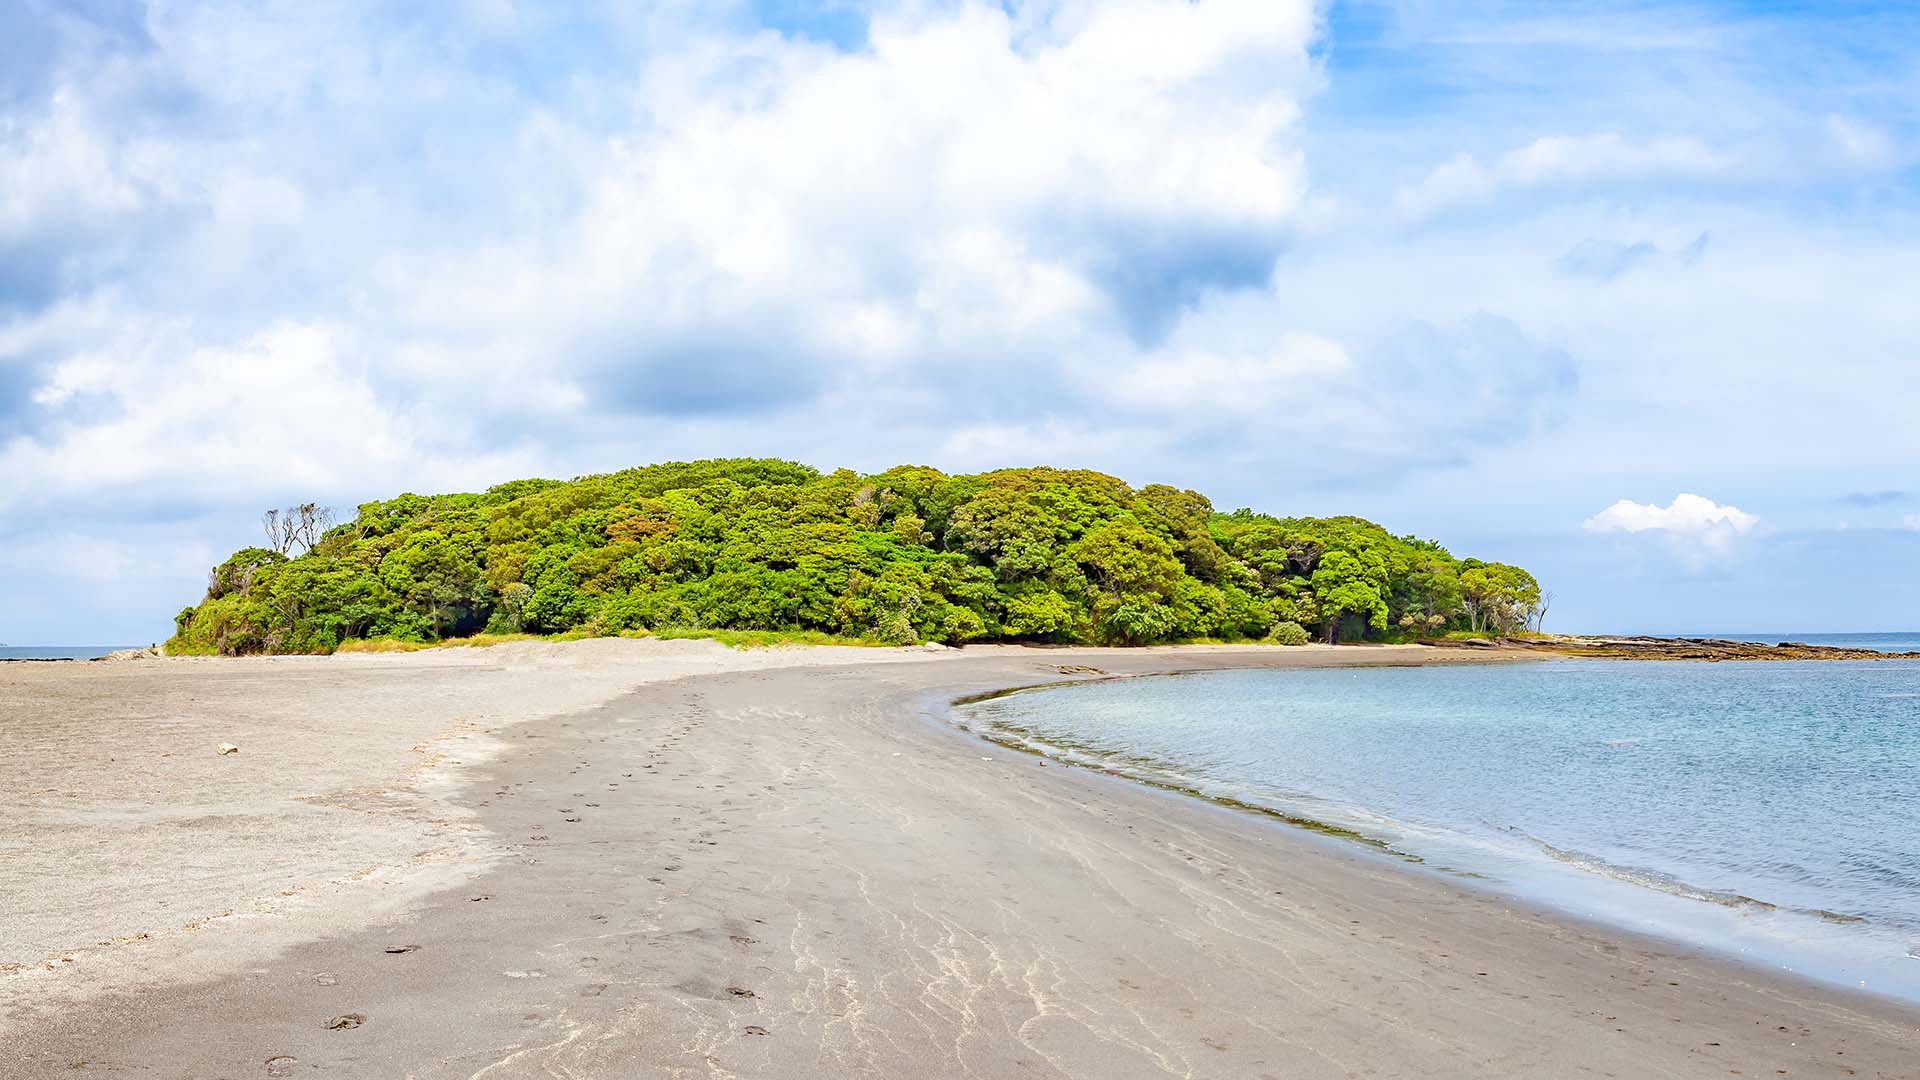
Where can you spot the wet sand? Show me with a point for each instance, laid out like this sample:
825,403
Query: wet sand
594,867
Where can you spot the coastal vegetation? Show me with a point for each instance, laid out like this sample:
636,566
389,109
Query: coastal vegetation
756,547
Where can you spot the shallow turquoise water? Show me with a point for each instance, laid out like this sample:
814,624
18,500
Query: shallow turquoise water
1770,810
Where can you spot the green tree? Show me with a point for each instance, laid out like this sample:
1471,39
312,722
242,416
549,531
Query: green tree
1498,597
1347,582
437,578
1133,574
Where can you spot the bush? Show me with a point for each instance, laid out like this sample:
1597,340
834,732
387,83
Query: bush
1289,633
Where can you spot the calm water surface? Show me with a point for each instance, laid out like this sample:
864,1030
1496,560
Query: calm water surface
1880,642
1769,810
57,652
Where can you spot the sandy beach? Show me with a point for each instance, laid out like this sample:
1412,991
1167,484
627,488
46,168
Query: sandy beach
625,858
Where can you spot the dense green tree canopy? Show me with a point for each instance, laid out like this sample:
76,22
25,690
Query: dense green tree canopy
907,555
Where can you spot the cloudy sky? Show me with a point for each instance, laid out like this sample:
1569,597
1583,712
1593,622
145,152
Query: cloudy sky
1628,293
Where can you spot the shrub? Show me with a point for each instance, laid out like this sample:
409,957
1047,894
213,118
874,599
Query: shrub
1289,633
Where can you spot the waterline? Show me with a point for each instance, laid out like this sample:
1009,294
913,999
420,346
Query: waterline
1768,811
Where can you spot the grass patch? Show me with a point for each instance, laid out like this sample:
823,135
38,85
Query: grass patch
385,645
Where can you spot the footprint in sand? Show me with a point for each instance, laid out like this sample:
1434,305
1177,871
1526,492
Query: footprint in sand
346,1021
281,1065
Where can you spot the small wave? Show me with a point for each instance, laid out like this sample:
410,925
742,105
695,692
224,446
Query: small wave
1154,773
1653,879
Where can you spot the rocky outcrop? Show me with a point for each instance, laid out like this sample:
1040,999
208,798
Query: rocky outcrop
120,655
1673,648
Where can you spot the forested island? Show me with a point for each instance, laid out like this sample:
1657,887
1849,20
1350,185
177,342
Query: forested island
910,555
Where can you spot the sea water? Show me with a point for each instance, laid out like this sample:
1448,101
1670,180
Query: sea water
57,652
1895,642
1769,810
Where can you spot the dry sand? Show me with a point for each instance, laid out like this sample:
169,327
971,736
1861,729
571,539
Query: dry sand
783,867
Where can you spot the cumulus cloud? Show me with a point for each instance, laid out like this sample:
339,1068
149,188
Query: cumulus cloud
1696,526
1685,514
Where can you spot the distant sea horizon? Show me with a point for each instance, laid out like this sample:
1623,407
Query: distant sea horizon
59,652
1878,640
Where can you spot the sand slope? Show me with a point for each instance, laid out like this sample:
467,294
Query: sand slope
121,824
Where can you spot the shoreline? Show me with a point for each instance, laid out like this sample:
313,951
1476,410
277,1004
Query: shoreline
779,804
1335,839
1665,910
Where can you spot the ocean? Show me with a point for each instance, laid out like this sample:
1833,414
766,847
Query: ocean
1766,810
1883,642
57,652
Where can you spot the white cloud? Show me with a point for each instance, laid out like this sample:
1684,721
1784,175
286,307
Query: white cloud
1561,161
957,187
1912,522
1696,526
280,415
1685,514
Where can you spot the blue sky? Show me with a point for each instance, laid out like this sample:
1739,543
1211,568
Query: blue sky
1622,292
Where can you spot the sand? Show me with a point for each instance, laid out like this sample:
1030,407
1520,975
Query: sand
619,858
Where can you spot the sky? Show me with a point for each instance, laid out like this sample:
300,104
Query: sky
1621,292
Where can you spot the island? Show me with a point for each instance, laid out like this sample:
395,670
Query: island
907,556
